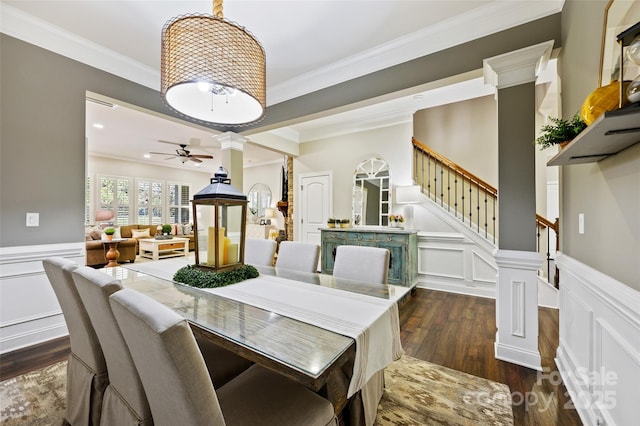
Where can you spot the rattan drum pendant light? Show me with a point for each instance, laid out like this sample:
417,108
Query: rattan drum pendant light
212,69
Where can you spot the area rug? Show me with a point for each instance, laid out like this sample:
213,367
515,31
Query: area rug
420,393
416,393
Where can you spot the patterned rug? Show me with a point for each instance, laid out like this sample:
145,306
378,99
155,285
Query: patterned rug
416,393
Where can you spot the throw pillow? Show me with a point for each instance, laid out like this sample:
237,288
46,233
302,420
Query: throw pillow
186,229
140,233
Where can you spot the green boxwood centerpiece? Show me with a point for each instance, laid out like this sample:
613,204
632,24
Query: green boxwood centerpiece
201,278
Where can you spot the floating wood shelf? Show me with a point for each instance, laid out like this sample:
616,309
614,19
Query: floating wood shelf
609,134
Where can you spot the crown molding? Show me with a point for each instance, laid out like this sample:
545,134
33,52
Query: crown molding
477,23
495,16
40,33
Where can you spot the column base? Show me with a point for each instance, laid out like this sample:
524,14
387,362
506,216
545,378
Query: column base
515,355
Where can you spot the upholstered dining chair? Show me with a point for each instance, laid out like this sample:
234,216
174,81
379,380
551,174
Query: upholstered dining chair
180,391
362,263
298,256
125,402
259,251
86,368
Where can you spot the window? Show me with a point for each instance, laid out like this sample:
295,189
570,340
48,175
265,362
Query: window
150,202
113,194
179,203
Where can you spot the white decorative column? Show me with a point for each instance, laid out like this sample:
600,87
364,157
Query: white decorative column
514,74
232,145
517,307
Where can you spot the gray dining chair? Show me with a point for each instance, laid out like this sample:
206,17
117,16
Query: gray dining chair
298,256
179,388
362,263
125,402
259,251
86,368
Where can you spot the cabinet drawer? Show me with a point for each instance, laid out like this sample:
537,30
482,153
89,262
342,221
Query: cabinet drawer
392,238
355,238
334,236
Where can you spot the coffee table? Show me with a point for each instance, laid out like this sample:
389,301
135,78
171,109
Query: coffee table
152,248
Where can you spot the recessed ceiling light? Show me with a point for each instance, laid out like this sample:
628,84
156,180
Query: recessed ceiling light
147,156
98,126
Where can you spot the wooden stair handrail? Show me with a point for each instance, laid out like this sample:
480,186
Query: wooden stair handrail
481,183
547,223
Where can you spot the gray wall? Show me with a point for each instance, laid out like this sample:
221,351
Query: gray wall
42,143
607,192
42,140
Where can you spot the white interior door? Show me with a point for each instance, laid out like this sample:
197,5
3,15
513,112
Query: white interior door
315,205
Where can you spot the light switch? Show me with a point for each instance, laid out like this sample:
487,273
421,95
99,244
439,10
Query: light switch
581,223
33,219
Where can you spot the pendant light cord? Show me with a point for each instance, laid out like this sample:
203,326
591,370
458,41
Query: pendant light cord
217,8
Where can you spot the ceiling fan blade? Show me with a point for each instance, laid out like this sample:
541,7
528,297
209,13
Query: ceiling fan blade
163,153
210,157
195,159
171,143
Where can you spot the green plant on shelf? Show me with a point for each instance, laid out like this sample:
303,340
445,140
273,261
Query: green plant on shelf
559,131
109,231
166,229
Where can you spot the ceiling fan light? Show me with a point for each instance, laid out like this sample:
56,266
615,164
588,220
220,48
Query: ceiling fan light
213,70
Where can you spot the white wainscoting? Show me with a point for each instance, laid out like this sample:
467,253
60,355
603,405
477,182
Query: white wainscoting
454,263
599,352
29,310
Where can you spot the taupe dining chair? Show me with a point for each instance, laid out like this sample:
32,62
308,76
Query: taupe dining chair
298,256
259,251
180,391
86,368
362,263
125,402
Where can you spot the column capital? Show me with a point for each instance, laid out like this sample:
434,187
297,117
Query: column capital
231,140
517,67
518,259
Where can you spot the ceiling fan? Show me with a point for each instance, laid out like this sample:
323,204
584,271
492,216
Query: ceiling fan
183,154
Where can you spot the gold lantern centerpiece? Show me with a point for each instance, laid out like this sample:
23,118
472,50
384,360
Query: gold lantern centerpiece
219,213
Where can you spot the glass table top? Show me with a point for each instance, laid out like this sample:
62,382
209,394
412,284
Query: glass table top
303,347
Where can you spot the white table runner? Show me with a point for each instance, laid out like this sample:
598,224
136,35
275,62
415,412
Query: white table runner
372,322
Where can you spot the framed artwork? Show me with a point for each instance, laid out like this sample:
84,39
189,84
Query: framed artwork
618,16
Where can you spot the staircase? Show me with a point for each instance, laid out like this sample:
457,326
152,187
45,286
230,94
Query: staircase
459,258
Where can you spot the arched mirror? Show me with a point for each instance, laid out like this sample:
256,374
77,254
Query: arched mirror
259,199
371,193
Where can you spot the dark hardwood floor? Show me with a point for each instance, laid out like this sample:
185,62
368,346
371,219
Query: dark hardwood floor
443,328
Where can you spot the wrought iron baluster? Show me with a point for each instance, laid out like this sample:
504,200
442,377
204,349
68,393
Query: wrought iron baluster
470,204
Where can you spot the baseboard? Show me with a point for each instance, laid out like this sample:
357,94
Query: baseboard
519,356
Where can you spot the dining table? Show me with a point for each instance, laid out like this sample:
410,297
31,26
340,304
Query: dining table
295,323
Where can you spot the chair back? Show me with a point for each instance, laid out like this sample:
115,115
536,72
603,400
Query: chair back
86,362
362,263
94,288
298,256
259,251
170,364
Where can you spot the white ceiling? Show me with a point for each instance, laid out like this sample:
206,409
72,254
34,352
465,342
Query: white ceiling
309,44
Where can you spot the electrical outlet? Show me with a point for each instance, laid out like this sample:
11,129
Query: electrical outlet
33,219
581,223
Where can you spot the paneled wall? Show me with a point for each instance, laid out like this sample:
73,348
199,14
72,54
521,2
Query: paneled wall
599,352
29,310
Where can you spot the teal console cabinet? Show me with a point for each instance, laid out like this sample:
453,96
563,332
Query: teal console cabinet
402,244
